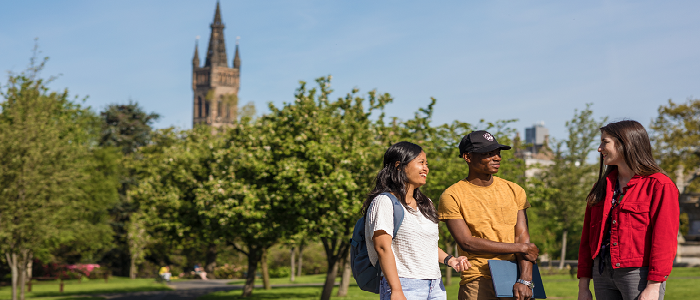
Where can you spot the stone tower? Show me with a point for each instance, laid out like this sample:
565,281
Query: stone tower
215,85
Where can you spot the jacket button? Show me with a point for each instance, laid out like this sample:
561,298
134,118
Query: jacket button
617,264
614,221
614,244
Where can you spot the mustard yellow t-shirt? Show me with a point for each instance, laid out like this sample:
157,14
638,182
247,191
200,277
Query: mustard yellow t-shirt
490,212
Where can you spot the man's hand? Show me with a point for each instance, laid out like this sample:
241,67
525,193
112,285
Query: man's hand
521,291
651,292
531,252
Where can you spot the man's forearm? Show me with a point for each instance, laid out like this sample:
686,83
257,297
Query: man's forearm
479,245
525,267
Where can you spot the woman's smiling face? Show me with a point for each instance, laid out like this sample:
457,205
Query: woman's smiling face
608,148
417,170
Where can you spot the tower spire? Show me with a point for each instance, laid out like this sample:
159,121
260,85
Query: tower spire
216,52
237,57
195,60
217,15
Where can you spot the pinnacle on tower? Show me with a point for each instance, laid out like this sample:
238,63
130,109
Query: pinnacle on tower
237,57
195,60
216,53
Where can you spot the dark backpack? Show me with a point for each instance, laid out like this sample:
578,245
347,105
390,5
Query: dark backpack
366,275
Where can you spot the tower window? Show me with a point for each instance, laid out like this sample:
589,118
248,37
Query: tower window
199,107
220,108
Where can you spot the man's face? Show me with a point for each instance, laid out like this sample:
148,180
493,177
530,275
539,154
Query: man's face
485,163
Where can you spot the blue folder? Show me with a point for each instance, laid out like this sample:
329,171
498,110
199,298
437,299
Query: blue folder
504,274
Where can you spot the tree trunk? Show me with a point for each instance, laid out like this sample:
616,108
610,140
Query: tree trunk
30,265
12,262
211,261
23,272
253,260
301,258
291,262
345,279
336,249
563,249
265,271
132,269
330,279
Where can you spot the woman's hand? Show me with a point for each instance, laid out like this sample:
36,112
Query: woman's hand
584,292
398,295
459,263
651,292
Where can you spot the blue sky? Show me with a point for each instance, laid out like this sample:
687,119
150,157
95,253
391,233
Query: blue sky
529,60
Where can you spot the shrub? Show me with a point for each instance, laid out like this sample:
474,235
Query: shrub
280,272
228,271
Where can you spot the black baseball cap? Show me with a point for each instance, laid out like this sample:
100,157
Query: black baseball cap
479,141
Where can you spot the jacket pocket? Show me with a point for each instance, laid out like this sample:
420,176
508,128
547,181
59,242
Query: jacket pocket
635,215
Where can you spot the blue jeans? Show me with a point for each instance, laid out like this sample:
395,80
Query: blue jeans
416,289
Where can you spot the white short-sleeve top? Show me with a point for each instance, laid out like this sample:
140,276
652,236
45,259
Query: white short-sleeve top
415,246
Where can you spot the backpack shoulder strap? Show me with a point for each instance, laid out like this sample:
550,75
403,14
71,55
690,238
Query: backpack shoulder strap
398,212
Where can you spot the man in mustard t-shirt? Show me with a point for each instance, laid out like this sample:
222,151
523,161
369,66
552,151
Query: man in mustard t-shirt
486,216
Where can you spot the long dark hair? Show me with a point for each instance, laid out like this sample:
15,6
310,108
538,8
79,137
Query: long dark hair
632,141
392,179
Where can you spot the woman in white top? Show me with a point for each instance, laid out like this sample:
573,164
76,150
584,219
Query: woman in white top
410,260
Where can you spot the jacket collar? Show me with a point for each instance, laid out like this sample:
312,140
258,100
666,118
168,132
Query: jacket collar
612,177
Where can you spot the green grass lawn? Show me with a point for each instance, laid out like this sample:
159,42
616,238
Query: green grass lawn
306,279
684,283
86,287
67,298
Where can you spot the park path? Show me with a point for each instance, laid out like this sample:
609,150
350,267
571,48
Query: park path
184,290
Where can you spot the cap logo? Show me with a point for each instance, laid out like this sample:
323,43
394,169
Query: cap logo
488,136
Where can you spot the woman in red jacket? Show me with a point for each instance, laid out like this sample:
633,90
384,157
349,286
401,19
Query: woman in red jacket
630,230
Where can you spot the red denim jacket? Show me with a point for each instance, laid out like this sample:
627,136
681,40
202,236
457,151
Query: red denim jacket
644,230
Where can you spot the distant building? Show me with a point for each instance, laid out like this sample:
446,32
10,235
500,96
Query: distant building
215,85
536,149
536,136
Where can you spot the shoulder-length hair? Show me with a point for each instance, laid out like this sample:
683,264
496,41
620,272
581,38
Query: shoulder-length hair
632,141
392,179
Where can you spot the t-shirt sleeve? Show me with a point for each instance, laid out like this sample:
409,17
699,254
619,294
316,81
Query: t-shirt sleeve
448,208
521,198
380,216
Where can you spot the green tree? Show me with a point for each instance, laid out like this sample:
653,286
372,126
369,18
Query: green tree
240,198
344,147
45,158
128,128
558,196
676,137
247,112
90,243
173,167
302,167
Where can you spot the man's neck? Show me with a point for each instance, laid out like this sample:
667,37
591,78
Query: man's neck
480,179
